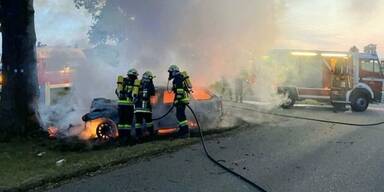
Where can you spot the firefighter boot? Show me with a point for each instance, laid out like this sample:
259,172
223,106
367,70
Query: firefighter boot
152,133
124,137
183,132
139,135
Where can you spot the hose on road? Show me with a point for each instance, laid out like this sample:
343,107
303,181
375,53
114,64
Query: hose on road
313,119
253,184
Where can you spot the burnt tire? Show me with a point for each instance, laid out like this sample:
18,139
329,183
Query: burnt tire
359,102
288,100
106,130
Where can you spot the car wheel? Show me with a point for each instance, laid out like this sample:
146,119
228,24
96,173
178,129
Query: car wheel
359,102
106,130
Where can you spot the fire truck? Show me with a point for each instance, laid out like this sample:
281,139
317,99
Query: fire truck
55,67
341,78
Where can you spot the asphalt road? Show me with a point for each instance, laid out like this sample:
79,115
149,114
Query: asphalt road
280,154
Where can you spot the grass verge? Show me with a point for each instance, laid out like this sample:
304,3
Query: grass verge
21,168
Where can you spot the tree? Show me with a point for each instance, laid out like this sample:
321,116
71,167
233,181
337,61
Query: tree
19,98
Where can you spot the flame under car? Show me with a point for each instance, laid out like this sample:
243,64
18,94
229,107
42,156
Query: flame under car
101,121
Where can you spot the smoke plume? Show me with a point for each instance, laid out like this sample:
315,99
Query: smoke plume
209,39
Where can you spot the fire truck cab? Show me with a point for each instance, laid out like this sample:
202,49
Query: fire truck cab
341,78
55,66
55,71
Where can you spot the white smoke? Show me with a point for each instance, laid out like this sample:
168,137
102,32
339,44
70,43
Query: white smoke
209,39
60,23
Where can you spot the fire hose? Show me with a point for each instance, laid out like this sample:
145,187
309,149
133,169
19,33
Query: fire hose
170,109
253,184
314,119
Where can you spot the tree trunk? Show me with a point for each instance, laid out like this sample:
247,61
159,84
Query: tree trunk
19,97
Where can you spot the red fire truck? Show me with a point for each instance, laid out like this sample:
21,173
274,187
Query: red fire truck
342,78
55,70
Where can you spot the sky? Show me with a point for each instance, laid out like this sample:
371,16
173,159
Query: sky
58,22
332,24
304,24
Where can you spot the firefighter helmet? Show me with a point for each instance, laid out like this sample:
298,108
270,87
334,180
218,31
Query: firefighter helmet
148,75
173,68
133,71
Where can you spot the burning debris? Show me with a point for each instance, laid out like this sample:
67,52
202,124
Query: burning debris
53,132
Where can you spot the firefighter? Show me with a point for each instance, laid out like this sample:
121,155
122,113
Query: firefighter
125,103
239,90
143,90
181,86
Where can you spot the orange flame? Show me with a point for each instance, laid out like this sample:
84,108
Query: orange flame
201,94
166,131
53,132
192,124
90,127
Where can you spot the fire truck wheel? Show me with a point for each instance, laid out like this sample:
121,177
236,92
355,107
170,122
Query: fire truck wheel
288,101
359,102
106,130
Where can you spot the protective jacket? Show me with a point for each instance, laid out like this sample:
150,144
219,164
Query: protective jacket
143,94
124,90
181,89
125,104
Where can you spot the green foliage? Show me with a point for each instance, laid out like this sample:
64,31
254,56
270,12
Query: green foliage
92,6
104,13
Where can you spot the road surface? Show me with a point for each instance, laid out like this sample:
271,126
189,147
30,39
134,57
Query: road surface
280,154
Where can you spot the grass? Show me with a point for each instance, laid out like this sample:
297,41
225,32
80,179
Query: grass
21,168
310,102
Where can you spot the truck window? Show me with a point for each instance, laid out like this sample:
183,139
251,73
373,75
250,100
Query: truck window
376,67
367,65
